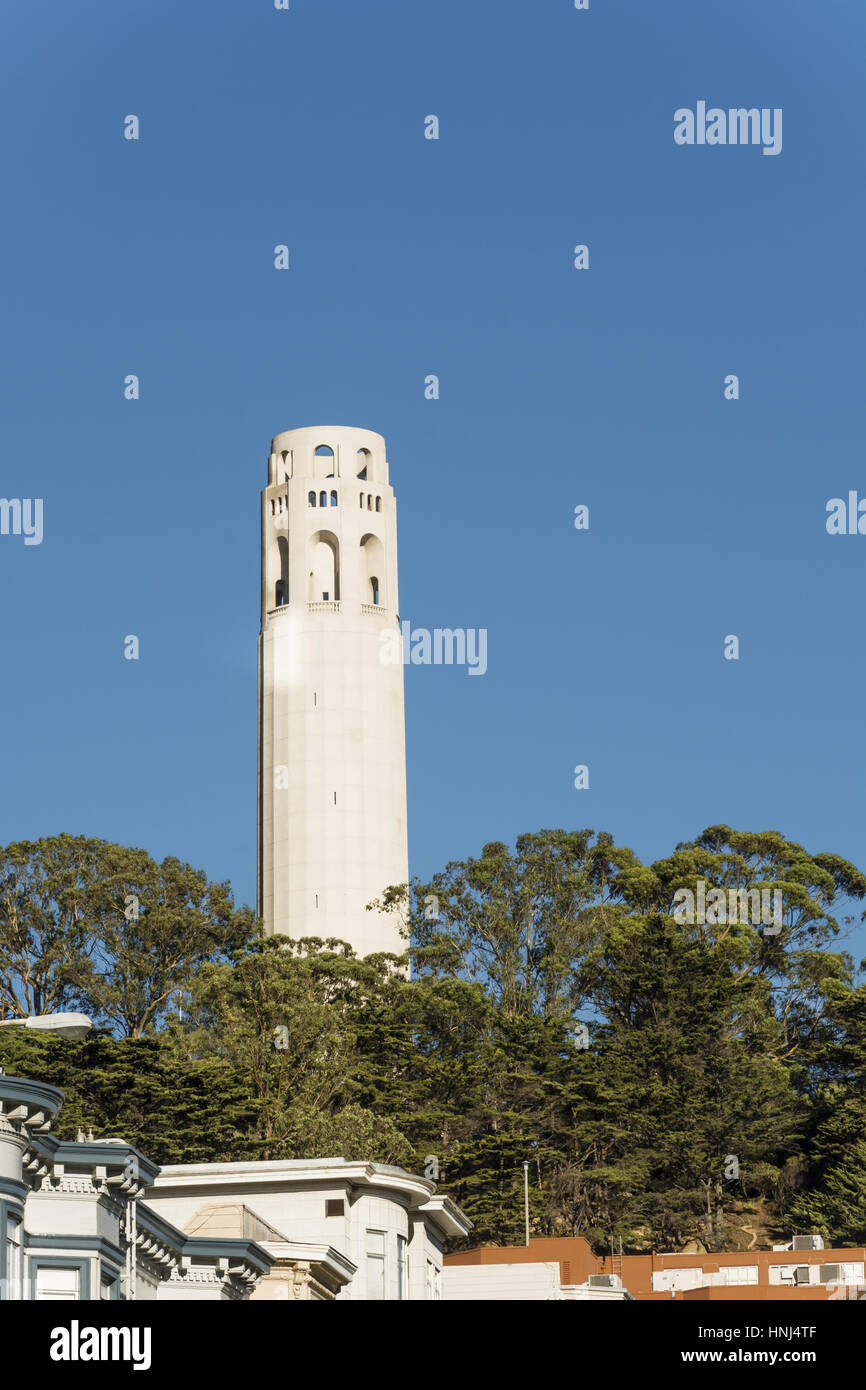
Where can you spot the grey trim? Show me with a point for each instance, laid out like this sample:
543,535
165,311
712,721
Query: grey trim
45,1144
155,1225
59,1262
112,1279
203,1247
3,1214
89,1155
98,1245
35,1093
12,1190
216,1247
6,1211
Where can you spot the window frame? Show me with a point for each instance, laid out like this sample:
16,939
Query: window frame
402,1267
37,1263
13,1264
381,1265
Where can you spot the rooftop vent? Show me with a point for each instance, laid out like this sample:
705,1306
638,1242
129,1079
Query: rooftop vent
807,1242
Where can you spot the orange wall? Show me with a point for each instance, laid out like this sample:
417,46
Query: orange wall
577,1262
637,1270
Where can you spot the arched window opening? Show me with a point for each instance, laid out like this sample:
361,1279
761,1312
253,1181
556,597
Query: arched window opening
362,499
333,499
369,502
281,588
372,558
324,574
378,504
363,460
311,499
324,461
323,499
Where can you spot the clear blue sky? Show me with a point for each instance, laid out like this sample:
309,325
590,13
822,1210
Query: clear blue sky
558,387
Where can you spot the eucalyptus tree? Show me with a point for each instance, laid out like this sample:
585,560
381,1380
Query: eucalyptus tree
96,925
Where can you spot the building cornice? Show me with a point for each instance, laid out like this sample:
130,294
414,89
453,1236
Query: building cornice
338,1266
96,1245
33,1104
294,1172
447,1216
96,1153
247,1259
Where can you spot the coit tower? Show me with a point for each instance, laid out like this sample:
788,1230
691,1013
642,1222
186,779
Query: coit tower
332,746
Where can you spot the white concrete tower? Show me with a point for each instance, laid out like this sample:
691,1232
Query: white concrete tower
332,743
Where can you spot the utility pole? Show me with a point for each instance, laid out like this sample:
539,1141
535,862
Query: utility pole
526,1198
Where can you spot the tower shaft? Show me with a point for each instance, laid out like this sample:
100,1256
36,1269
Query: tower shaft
332,756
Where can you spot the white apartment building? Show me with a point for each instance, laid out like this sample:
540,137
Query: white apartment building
540,1281
389,1226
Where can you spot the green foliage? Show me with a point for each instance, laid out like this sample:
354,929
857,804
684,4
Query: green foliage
834,1201
281,1019
656,1076
516,923
91,925
135,1089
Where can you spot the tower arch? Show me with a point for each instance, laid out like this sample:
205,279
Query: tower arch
324,461
372,567
324,568
281,586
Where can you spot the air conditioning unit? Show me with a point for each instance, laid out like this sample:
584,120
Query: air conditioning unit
801,1274
604,1281
830,1274
810,1242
